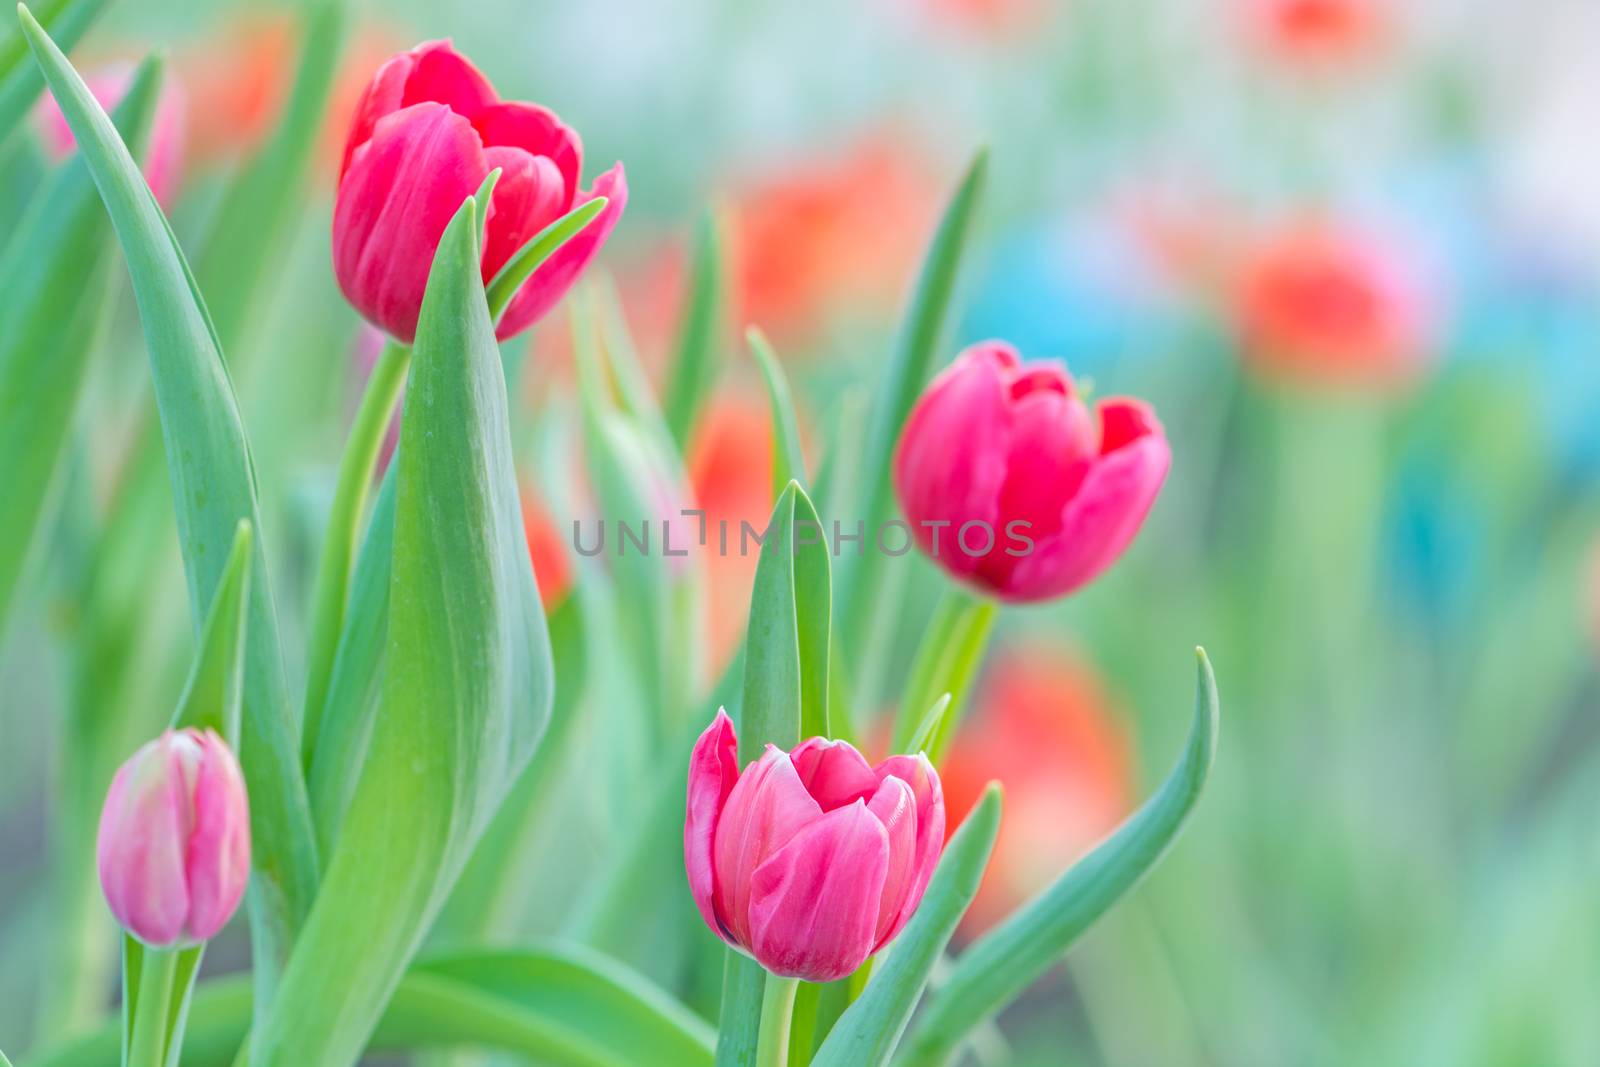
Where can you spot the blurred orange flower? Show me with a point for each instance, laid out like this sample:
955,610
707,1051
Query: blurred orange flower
831,236
1045,727
239,77
552,566
1328,306
730,473
1318,32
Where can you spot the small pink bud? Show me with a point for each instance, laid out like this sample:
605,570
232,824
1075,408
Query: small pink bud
174,844
1012,484
811,860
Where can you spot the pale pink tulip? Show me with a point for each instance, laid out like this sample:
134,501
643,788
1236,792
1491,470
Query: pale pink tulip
174,844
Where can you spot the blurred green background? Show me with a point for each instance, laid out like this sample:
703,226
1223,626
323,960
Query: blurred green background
1351,252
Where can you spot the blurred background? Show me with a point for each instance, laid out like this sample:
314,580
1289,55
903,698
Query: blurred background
1350,249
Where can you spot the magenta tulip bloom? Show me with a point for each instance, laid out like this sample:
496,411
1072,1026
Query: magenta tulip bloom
811,860
427,132
174,845
1014,486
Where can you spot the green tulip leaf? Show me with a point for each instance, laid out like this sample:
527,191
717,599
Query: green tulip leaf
355,685
466,682
1005,961
56,270
564,1006
213,484
866,1034
694,364
787,641
20,83
908,371
544,244
788,462
212,697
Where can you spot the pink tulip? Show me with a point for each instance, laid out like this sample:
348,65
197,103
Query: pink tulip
811,860
1014,486
426,133
163,155
174,844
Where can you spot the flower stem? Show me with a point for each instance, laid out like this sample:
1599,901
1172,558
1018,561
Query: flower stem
777,1012
147,1045
947,660
339,542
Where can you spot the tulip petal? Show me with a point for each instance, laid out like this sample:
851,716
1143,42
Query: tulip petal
381,97
1101,519
527,198
713,770
140,847
444,76
767,807
218,859
814,902
895,806
950,463
556,275
833,772
539,132
401,191
918,774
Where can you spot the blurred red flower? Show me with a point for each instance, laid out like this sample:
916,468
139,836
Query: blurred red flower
831,236
238,76
730,473
1044,726
547,546
1328,306
165,151
1318,32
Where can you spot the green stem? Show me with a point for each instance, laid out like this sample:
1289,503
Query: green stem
947,660
148,1044
777,1011
344,521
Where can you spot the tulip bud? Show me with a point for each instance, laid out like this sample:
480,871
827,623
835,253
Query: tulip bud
174,843
427,132
811,860
1010,482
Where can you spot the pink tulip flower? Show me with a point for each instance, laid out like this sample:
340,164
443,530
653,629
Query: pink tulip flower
1014,486
426,133
163,155
811,860
174,844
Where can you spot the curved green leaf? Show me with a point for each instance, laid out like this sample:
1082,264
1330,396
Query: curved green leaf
353,687
868,1031
1005,961
904,378
331,588
544,244
562,1006
466,690
694,365
211,698
213,487
788,461
56,272
20,83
